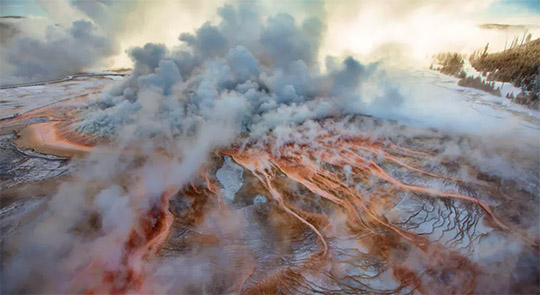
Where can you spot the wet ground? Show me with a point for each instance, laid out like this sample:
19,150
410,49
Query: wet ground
409,211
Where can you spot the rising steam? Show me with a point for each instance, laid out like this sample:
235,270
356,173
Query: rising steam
250,86
250,72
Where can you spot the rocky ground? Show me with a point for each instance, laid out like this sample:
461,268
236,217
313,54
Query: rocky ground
393,209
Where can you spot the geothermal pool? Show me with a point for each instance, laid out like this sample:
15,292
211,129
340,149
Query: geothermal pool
407,201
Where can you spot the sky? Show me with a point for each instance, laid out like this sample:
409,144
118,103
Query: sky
367,29
20,8
497,8
506,7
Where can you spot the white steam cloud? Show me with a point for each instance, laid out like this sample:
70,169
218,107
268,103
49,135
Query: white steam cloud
239,77
249,72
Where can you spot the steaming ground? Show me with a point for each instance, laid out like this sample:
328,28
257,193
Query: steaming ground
251,217
232,163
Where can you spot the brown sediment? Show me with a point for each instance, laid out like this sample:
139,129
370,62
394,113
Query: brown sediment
52,134
149,232
314,168
318,170
46,138
40,188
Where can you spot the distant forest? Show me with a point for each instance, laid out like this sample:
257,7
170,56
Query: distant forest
451,63
518,64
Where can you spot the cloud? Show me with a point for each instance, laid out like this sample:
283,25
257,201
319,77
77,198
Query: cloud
285,42
208,41
258,82
187,101
248,77
62,52
243,64
364,28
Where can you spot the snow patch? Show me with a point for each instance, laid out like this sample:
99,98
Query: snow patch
231,178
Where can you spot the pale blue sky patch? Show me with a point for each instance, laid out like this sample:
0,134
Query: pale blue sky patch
514,7
20,8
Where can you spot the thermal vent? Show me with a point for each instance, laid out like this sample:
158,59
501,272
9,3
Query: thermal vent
353,215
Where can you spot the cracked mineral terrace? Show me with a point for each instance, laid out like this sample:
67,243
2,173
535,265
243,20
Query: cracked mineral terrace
335,212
